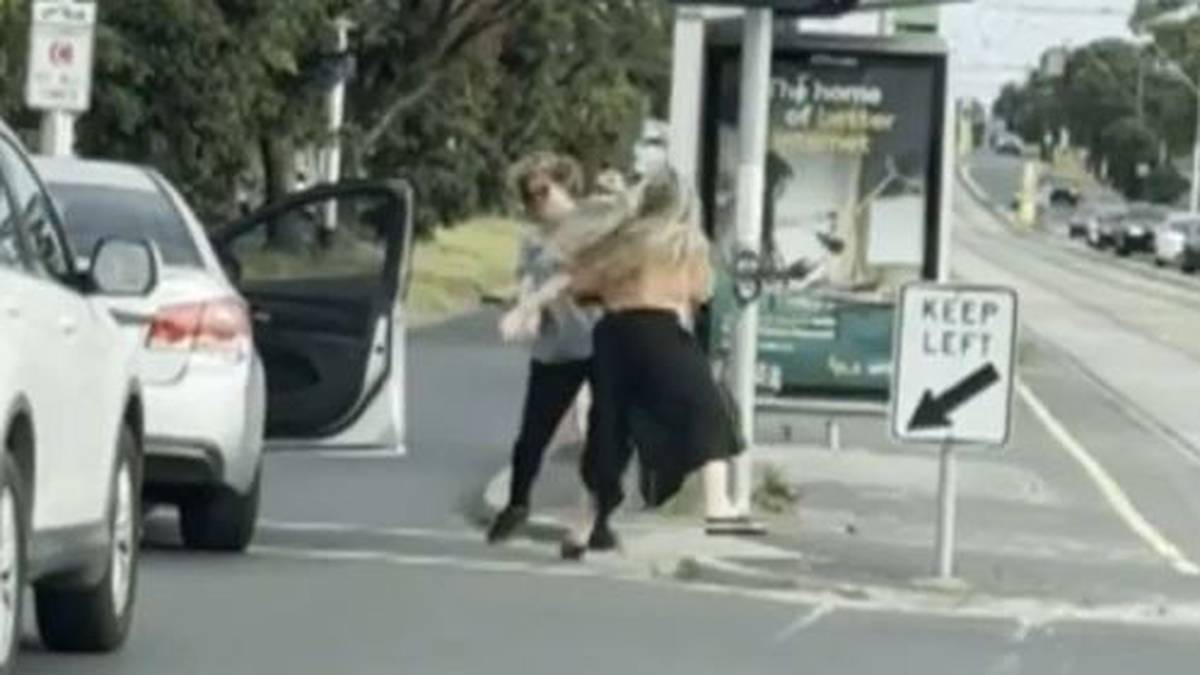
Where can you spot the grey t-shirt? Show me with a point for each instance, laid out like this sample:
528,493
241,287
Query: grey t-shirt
566,328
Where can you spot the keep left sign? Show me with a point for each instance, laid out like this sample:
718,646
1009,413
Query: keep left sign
954,358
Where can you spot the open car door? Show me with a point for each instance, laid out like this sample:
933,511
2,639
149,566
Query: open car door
325,273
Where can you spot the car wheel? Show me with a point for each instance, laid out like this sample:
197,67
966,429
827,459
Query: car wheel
1159,262
97,618
221,520
13,537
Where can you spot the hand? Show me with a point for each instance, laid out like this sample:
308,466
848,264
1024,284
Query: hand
520,323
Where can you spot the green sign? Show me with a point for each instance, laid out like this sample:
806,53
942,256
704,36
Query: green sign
855,153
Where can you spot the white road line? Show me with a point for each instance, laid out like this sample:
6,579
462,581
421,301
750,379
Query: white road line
349,528
1112,491
804,622
440,561
979,608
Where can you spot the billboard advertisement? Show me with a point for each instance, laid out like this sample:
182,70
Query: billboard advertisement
855,155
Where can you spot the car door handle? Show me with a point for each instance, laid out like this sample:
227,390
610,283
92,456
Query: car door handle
260,316
68,326
12,310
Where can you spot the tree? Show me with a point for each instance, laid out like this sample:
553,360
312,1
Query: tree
577,77
1147,10
405,50
189,85
1131,149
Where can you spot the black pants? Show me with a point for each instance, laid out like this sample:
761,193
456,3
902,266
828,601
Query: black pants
648,372
550,391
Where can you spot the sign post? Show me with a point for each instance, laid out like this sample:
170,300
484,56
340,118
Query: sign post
955,353
59,80
758,47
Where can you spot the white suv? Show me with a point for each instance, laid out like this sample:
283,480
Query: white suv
70,423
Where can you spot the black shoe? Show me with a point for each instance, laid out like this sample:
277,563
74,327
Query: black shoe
602,538
507,522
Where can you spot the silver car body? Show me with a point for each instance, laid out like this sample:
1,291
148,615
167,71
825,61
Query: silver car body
200,408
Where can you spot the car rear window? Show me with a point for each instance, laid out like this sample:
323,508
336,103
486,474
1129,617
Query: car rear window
98,212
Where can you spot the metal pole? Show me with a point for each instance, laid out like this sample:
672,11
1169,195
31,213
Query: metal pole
687,90
337,111
58,133
753,122
947,505
1195,203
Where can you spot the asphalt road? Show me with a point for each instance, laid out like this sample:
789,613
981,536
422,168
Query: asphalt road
370,565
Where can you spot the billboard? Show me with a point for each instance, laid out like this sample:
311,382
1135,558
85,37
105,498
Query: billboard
856,153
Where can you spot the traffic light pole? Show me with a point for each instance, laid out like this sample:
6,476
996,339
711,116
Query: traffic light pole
753,129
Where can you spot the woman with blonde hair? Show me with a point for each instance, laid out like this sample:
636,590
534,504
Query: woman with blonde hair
644,257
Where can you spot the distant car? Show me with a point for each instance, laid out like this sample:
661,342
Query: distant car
1189,259
1064,197
1010,147
1134,232
1078,223
71,423
1171,239
1102,227
199,354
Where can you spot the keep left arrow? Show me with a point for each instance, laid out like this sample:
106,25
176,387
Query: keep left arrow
933,412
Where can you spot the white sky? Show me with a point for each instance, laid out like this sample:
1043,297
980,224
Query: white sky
993,41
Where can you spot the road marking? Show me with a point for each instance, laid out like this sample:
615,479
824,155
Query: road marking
348,528
804,622
1112,491
1031,611
459,563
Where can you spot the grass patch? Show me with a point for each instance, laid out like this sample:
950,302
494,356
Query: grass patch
456,267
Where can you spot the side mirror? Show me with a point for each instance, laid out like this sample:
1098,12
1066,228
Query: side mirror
124,268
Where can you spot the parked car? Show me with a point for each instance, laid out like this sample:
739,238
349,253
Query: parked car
1079,221
1134,232
199,353
1009,144
72,424
1171,238
1102,226
1059,196
1189,260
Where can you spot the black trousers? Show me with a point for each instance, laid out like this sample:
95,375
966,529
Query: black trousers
651,381
549,393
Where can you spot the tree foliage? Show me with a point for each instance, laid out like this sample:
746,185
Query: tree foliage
446,92
1122,101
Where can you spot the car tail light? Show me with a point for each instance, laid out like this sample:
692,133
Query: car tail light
220,327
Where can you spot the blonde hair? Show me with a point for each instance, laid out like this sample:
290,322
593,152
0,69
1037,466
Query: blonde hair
614,237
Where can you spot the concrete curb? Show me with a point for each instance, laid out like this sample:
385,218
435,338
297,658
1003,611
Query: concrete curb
710,570
685,568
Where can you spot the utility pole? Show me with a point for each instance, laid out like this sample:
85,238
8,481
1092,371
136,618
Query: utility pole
1195,202
753,127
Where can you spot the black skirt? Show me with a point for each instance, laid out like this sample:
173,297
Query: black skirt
653,390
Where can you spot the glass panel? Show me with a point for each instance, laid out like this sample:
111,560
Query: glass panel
94,213
338,238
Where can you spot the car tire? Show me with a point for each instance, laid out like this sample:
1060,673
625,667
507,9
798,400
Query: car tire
97,618
14,537
222,520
